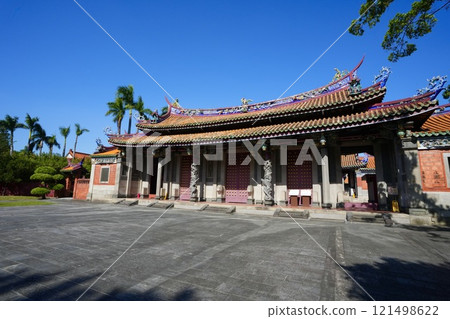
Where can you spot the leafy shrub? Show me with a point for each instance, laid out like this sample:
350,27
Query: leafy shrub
48,177
40,191
58,187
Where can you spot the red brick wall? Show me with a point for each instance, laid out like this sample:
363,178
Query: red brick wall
361,181
432,170
112,174
81,188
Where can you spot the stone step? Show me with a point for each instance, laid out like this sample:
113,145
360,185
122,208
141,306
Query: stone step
369,218
218,209
127,202
160,205
291,213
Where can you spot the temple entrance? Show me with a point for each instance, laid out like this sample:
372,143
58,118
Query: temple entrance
152,179
299,177
372,188
185,177
237,180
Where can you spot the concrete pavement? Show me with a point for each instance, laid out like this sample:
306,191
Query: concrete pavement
55,253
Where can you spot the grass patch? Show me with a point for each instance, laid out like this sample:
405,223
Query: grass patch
13,201
24,203
18,198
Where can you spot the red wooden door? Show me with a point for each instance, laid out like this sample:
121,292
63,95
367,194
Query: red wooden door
185,177
298,176
237,180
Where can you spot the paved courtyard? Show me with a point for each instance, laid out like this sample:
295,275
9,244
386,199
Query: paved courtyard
56,252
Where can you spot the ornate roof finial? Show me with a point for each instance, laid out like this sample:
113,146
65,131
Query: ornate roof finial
383,76
436,85
108,131
139,117
245,101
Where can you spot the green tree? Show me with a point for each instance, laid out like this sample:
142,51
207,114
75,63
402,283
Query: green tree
117,110
10,124
49,178
403,27
38,139
126,94
16,168
65,133
51,142
4,141
31,123
78,131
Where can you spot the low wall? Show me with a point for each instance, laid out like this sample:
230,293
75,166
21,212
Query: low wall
81,189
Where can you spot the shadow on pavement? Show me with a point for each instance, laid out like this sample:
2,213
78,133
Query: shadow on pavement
395,279
25,285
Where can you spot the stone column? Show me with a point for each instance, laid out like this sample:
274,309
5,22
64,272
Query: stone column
194,182
335,175
380,175
413,197
267,183
317,188
326,203
401,176
117,177
129,181
159,179
91,181
221,183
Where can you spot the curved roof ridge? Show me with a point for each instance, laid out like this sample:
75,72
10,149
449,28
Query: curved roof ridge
340,83
310,126
333,100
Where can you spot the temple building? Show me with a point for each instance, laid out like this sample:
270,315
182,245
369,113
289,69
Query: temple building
289,151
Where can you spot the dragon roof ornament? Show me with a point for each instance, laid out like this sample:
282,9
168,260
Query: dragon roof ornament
383,76
341,80
436,84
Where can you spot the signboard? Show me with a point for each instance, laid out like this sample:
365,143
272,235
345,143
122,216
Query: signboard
105,160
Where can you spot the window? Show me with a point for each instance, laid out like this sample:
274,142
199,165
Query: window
104,175
447,167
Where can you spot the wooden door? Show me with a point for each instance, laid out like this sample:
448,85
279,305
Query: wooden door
298,176
185,177
237,180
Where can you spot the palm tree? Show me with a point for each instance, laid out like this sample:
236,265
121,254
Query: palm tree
38,139
51,141
126,93
142,111
10,124
64,132
139,107
117,110
31,123
78,132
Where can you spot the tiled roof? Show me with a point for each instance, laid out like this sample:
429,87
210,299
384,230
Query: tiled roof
378,115
334,100
72,167
436,125
111,153
431,134
78,155
354,161
371,162
437,122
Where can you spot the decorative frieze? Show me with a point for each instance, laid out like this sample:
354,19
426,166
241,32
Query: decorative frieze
432,143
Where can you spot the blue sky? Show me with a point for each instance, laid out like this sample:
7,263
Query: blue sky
58,65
